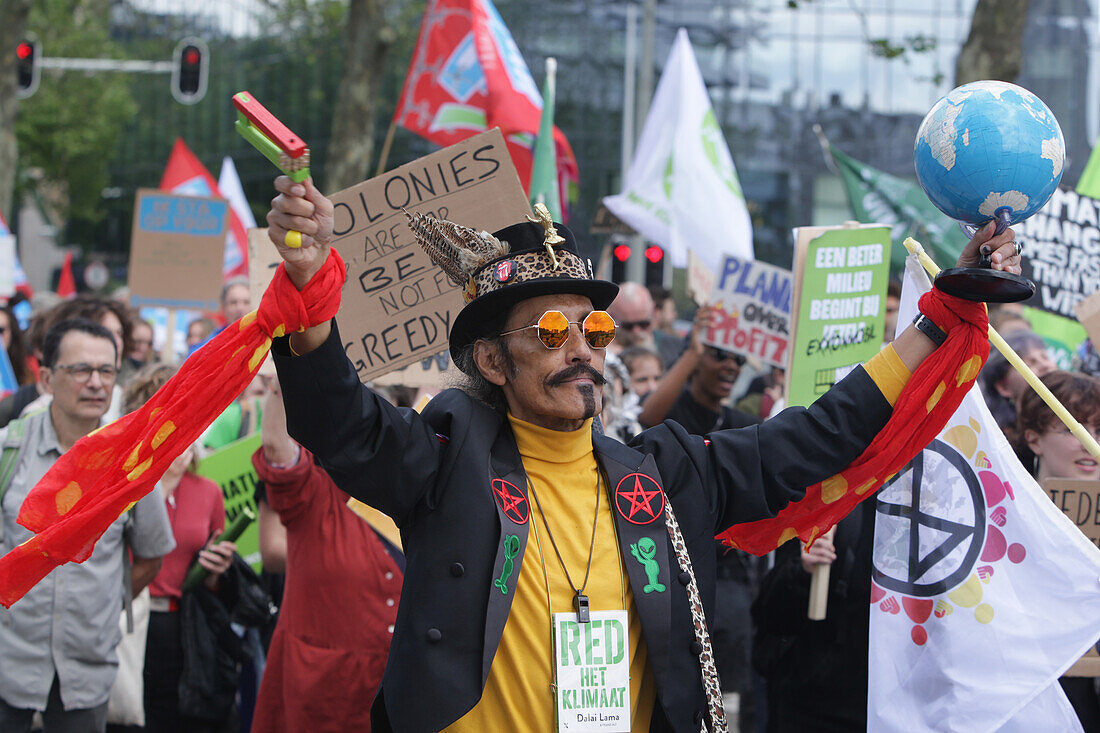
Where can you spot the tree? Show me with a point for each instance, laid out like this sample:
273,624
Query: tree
354,117
67,131
993,50
13,25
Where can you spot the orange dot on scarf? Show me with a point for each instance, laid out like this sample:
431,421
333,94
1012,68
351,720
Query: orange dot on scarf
133,458
935,398
865,487
279,331
969,370
788,534
833,488
162,434
259,354
97,460
246,320
136,473
66,498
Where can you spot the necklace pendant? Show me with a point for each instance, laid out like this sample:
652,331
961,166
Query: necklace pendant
580,602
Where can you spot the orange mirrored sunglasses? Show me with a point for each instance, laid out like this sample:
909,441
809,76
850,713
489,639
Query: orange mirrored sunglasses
598,328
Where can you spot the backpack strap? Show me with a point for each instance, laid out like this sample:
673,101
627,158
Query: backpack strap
9,460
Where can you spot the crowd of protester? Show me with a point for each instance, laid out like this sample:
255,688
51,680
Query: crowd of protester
312,669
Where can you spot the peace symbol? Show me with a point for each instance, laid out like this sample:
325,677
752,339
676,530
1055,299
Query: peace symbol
951,545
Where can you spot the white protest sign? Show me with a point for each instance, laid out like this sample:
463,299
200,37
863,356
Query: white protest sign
700,279
754,310
7,265
592,664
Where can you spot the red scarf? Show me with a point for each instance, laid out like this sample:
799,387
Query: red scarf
928,401
107,471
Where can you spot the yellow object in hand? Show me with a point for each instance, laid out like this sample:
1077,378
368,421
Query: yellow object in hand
293,239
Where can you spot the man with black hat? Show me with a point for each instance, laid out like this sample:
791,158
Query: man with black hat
549,584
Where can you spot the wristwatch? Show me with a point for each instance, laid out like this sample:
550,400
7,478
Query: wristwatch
926,326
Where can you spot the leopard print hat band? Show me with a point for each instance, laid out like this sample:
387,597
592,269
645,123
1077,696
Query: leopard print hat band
515,269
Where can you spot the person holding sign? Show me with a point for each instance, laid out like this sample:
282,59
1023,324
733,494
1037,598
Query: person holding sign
557,579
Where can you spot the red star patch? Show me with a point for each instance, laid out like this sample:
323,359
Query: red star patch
639,499
511,501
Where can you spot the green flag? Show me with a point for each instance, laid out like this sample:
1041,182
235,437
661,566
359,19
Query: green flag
877,197
1089,185
544,173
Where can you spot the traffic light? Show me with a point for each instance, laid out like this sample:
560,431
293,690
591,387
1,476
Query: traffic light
189,71
620,255
26,68
654,265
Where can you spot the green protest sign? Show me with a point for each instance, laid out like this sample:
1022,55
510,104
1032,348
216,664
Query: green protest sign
231,469
840,284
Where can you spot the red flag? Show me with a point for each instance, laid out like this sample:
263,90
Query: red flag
185,174
467,75
66,284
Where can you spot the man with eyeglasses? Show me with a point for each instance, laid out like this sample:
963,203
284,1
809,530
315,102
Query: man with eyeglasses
57,644
549,583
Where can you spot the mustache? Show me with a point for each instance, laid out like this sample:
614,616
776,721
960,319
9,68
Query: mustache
577,370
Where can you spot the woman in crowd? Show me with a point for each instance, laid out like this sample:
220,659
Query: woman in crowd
197,514
1002,386
15,343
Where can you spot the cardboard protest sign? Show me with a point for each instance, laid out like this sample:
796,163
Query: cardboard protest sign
840,276
700,279
397,305
431,372
177,250
1062,251
231,469
263,258
754,301
1080,501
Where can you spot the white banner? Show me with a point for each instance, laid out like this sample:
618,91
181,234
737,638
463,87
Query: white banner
682,189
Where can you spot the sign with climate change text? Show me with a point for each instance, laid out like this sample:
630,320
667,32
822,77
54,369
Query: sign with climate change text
1062,251
592,672
840,287
753,302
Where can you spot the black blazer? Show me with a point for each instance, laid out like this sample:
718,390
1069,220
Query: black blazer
433,473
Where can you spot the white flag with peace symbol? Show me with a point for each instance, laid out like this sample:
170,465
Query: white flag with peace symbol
983,593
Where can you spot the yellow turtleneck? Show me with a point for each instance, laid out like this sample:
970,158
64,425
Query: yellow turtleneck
563,470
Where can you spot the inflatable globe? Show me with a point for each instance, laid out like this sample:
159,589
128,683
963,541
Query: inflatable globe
987,150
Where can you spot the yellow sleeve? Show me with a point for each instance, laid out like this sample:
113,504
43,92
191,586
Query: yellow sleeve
889,373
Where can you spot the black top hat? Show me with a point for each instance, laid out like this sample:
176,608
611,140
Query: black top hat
524,260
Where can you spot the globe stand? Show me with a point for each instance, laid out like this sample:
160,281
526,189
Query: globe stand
983,283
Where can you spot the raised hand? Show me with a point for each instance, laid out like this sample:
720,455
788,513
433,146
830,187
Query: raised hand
1001,249
300,208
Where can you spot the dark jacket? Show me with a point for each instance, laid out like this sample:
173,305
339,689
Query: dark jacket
817,670
433,472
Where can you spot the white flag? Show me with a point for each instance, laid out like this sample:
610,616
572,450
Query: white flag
682,190
983,593
236,240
